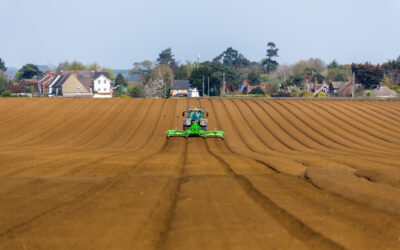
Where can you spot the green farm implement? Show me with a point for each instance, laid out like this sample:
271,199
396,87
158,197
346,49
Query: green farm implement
195,125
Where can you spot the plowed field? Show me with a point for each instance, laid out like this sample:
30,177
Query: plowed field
100,174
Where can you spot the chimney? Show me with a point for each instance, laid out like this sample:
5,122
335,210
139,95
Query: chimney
99,69
315,84
380,84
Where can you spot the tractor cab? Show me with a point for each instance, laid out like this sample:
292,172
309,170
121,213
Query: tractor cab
193,116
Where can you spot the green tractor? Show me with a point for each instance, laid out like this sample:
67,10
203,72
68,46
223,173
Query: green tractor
195,125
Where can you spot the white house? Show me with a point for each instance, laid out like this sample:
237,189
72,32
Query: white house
102,85
49,90
193,92
324,88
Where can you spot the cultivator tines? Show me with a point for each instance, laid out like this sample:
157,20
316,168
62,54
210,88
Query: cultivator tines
213,134
176,133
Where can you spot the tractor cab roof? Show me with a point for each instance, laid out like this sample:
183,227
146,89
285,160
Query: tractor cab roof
195,110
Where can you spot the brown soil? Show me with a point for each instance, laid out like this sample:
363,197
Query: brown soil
100,174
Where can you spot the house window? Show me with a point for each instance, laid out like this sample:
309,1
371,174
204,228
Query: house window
98,89
105,81
99,81
105,89
78,88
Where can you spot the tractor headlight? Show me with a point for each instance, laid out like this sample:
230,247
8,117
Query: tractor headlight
187,122
203,123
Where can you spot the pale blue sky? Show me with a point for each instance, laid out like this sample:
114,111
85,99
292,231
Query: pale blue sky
119,32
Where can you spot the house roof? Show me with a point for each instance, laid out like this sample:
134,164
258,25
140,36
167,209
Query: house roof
345,86
338,85
384,92
87,73
49,80
62,79
347,89
86,81
98,74
54,81
180,84
321,87
29,80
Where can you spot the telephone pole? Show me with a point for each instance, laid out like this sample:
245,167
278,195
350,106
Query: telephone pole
208,86
223,83
203,84
353,85
165,89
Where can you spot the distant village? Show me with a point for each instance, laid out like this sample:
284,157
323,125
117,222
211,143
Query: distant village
98,84
230,74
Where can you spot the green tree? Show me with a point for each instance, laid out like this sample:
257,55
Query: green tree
2,65
135,91
316,64
257,91
367,74
215,71
295,80
231,57
196,77
166,57
337,75
269,63
75,65
254,77
29,71
184,71
6,93
144,69
4,82
392,70
120,80
264,78
93,66
333,65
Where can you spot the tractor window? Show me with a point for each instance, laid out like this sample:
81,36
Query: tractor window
194,115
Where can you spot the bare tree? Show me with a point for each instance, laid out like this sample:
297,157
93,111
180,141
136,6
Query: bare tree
154,88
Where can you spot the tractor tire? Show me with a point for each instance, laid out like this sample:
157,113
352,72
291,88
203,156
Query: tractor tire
185,128
204,128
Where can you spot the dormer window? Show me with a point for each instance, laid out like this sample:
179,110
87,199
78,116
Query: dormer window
78,89
99,81
105,81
